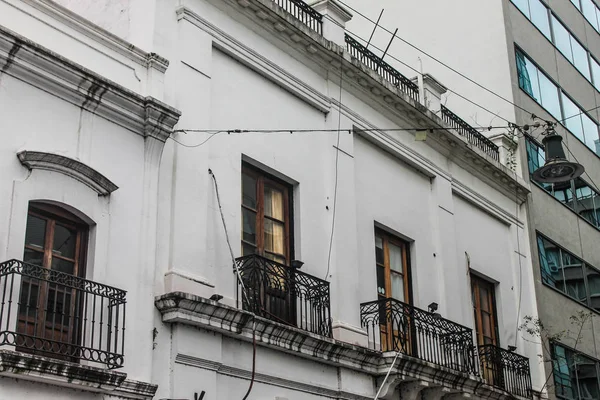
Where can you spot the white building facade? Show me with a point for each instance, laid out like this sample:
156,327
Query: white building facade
206,195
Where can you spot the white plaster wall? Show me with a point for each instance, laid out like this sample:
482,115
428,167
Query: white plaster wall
56,126
112,15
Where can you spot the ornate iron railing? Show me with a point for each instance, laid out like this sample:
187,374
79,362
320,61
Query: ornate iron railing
59,315
396,326
385,70
505,370
284,294
473,136
303,13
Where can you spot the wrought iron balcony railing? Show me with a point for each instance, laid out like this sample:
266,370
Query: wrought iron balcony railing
505,370
284,294
473,136
385,70
396,326
58,315
303,13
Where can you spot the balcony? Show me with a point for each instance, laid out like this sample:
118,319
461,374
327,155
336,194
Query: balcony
473,136
284,294
385,70
505,370
303,13
395,326
57,315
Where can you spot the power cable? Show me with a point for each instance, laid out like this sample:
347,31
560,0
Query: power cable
212,134
239,275
337,156
293,131
386,376
420,73
435,59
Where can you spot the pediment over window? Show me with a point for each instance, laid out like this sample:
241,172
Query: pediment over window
70,167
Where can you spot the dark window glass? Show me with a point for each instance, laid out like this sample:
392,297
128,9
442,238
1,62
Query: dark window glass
593,280
575,375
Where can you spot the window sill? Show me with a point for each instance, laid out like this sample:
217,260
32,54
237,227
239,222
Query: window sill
570,298
72,375
563,204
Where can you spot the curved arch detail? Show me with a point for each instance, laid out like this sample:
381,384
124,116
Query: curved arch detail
70,167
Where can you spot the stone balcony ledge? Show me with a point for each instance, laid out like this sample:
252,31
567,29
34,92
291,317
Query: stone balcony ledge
410,375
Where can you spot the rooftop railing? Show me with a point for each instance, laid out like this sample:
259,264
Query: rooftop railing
58,315
473,136
303,13
284,294
385,70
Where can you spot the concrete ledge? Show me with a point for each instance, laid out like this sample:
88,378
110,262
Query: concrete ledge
72,375
350,334
185,308
59,372
179,281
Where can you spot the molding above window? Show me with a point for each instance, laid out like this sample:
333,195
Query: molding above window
46,70
70,167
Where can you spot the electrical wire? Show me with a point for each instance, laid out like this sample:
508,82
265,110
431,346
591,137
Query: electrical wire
212,134
434,58
335,187
420,73
293,131
580,113
241,283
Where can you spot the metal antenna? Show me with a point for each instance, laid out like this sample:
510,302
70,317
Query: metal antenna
386,49
374,28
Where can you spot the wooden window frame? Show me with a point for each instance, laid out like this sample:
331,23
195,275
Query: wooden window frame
388,238
53,215
476,282
264,179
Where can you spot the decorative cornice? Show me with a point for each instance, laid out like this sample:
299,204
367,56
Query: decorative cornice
59,372
99,35
193,310
70,167
367,84
136,390
38,66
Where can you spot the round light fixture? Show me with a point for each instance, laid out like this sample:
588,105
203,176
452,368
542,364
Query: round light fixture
557,168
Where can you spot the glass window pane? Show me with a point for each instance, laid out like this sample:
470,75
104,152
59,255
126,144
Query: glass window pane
586,376
539,17
64,241
68,267
573,123
381,281
590,130
573,273
562,39
528,76
576,4
249,191
589,12
486,324
36,232
588,202
274,203
596,73
33,257
549,95
580,58
593,279
248,250
397,286
483,299
249,226
523,5
379,250
274,237
562,373
396,258
28,298
550,264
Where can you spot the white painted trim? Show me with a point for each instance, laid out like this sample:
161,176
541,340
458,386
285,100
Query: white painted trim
96,33
484,204
262,65
40,67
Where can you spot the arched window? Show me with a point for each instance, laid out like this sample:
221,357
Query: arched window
49,307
